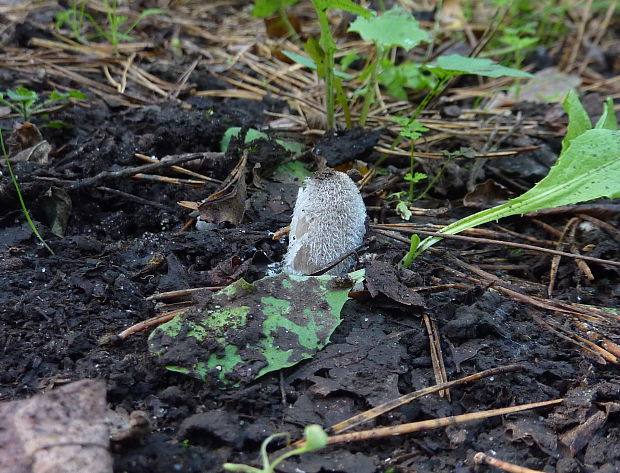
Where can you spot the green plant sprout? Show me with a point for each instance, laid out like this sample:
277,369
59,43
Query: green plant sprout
24,101
315,439
448,67
113,31
412,130
588,168
33,227
328,47
74,17
265,8
395,28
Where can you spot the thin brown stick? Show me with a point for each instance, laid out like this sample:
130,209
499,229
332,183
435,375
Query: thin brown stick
555,261
169,180
152,322
165,162
481,457
580,32
162,296
180,169
139,200
407,398
439,368
434,423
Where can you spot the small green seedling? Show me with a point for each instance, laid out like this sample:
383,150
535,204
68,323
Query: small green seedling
113,34
325,54
114,31
588,168
24,101
33,227
315,439
74,17
412,130
395,28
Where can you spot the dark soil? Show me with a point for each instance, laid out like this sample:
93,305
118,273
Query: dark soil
59,314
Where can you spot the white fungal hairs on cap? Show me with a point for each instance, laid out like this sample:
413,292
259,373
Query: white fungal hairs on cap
328,221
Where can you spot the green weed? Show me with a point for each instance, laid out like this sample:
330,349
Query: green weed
116,28
33,227
26,102
588,168
315,439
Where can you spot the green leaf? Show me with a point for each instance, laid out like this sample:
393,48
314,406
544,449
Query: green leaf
588,169
291,171
263,8
412,129
316,438
309,63
316,52
608,120
248,330
254,134
396,27
349,59
402,209
455,64
578,119
346,5
76,94
397,77
417,177
22,94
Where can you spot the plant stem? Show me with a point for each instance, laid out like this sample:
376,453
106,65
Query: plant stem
369,97
21,199
287,23
435,91
328,45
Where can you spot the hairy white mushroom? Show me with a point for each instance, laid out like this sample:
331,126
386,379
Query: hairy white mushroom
329,221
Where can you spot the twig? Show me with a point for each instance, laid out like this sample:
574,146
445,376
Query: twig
330,265
165,162
434,423
439,367
137,199
501,464
152,322
180,169
407,398
162,296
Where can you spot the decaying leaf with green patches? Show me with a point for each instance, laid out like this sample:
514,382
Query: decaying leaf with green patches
247,330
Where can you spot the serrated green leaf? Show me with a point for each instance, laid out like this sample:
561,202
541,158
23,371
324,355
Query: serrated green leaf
396,27
588,169
412,129
608,120
248,330
346,5
455,64
417,177
578,119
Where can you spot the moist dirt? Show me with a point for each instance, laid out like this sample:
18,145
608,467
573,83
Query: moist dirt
60,314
